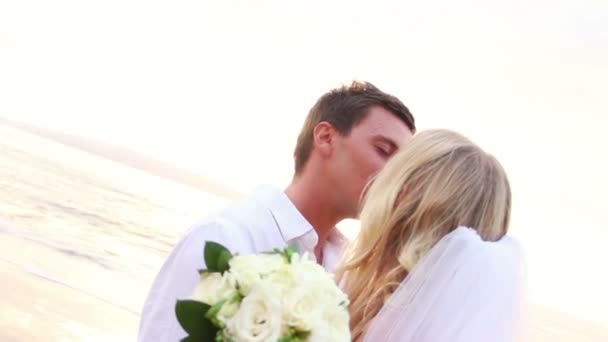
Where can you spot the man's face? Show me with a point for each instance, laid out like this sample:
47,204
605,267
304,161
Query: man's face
360,155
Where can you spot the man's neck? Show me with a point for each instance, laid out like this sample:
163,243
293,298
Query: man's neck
310,197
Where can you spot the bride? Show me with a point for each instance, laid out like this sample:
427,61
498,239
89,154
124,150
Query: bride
432,261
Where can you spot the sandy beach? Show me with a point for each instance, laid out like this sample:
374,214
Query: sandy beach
82,237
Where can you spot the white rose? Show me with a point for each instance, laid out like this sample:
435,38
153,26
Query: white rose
331,325
301,307
314,278
308,271
214,287
258,317
314,304
249,269
339,327
317,309
335,317
283,279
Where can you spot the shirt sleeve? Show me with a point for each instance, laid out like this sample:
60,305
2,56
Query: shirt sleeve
178,278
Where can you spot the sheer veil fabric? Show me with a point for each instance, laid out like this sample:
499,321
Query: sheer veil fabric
463,290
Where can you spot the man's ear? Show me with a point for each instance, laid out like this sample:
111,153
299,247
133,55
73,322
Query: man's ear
324,138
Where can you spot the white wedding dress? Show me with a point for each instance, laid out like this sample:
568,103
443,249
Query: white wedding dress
463,290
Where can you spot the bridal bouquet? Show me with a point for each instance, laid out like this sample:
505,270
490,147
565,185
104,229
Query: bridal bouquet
279,296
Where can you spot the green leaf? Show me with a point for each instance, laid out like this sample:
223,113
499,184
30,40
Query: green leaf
191,316
223,262
289,251
189,339
217,257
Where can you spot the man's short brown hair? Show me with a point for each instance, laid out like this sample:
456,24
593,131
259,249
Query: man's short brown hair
344,108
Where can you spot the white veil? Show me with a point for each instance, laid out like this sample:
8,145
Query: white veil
463,290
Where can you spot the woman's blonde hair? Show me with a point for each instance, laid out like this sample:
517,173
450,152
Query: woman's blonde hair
437,182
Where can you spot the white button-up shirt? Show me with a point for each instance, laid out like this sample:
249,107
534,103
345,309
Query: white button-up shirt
266,220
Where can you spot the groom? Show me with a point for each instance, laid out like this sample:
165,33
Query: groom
347,137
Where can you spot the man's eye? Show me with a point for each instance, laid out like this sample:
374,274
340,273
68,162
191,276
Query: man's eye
383,151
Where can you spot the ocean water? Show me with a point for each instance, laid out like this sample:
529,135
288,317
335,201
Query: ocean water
81,239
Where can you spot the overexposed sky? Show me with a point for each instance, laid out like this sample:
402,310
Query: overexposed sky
222,87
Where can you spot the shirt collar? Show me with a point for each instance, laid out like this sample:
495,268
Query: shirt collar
292,224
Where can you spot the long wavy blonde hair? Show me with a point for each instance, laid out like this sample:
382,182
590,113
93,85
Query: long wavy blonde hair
437,182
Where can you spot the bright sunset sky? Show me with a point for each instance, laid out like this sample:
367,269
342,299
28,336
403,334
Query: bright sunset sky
222,87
